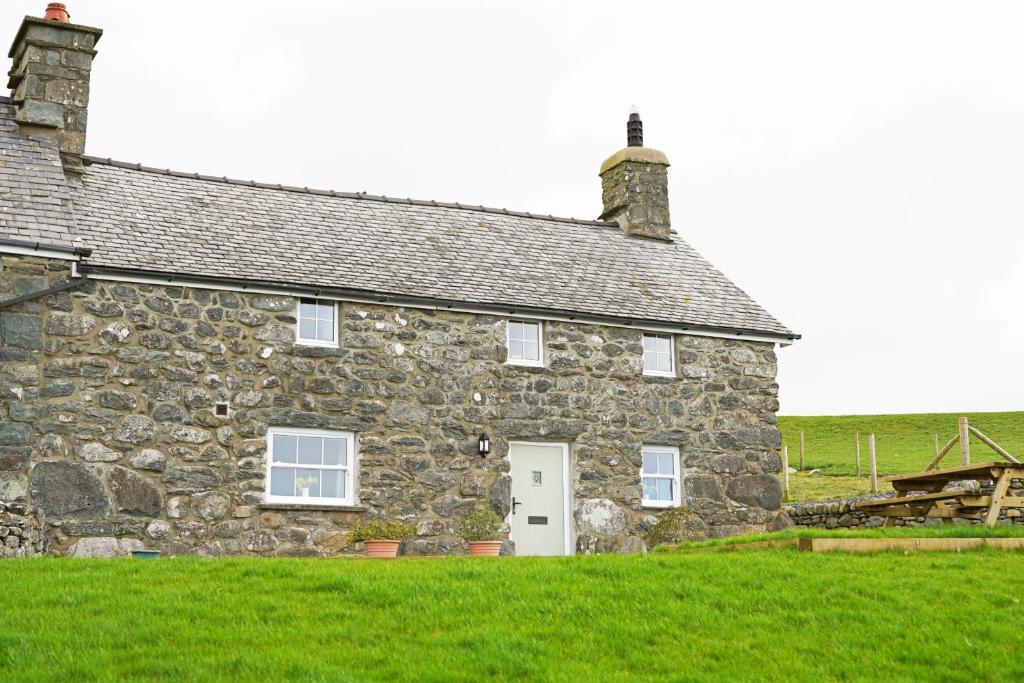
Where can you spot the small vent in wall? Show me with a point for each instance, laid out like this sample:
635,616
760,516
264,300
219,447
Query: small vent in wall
220,409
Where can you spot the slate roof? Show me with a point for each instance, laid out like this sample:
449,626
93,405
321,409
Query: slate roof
142,219
35,200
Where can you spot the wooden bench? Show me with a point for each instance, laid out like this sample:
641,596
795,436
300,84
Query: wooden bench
948,504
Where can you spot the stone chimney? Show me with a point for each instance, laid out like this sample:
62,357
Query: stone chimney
634,186
49,81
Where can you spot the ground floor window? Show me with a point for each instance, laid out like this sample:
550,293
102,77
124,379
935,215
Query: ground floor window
310,466
659,476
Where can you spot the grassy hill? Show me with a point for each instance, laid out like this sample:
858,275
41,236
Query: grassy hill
904,443
778,615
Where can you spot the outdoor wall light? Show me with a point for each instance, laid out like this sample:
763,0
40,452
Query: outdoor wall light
484,444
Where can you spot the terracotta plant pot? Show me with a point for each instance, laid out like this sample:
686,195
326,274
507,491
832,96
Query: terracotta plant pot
382,548
485,548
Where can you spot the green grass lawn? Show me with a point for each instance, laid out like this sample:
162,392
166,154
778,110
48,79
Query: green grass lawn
904,443
777,615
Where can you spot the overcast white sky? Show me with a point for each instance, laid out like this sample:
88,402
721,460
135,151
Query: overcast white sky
856,167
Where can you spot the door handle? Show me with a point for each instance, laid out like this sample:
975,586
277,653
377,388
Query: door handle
514,503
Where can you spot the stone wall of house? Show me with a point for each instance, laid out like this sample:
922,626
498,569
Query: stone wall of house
107,428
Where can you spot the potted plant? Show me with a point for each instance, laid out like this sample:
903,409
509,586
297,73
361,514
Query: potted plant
480,528
381,537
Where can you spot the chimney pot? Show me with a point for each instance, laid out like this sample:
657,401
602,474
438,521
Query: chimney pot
634,130
57,11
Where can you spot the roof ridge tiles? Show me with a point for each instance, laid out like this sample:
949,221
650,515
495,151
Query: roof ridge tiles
91,160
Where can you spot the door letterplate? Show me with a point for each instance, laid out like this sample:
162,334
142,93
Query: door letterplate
536,520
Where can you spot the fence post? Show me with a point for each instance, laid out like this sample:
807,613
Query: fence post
857,437
936,444
801,450
965,443
874,463
785,473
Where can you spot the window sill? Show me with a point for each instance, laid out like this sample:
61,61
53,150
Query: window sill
321,345
664,375
525,364
313,507
653,505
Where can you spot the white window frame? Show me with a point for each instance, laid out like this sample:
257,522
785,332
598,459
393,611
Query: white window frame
677,496
539,363
671,372
349,470
299,339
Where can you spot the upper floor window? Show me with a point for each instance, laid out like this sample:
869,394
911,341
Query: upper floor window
310,466
525,343
659,476
317,322
658,355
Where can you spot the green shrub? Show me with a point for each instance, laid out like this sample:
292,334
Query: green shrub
480,525
675,525
381,530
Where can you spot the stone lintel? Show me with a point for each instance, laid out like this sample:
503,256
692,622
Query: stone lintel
643,155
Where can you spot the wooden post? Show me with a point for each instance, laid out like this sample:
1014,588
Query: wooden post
873,463
965,443
785,473
936,444
942,453
857,438
998,493
991,444
801,450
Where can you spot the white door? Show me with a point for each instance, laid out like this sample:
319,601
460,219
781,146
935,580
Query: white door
538,517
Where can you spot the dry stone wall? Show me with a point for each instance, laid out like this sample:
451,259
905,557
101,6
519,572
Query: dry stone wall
108,431
19,531
844,514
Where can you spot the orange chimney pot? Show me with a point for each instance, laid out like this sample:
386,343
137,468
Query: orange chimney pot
57,11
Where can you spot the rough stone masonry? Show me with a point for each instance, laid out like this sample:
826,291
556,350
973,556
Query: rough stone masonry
107,428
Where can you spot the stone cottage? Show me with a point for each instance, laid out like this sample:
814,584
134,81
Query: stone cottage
212,366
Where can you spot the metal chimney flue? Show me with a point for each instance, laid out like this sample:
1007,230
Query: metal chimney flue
634,130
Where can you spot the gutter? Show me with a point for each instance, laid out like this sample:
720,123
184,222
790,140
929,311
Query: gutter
67,284
369,296
65,251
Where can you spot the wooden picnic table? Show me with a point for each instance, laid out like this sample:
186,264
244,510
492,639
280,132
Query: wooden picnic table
935,500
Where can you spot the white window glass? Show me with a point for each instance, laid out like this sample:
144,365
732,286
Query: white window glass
659,476
282,481
658,356
284,448
310,466
334,452
524,343
317,322
333,484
